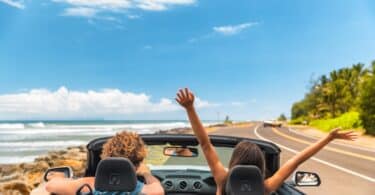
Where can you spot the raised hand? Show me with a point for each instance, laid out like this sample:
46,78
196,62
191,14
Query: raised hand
185,98
347,135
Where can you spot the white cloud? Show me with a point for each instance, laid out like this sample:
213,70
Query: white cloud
118,6
233,29
227,30
16,4
99,4
152,6
80,11
64,103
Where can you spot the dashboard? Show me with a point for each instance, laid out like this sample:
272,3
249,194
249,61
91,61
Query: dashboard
186,180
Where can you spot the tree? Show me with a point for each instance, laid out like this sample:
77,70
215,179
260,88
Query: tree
349,89
332,95
367,103
282,117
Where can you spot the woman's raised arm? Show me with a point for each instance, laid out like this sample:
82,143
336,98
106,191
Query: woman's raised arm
274,182
186,99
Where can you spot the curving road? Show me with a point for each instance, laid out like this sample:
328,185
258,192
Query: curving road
343,169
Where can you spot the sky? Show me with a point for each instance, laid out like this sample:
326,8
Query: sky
126,59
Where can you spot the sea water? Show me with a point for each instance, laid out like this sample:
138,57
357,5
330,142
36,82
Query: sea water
22,141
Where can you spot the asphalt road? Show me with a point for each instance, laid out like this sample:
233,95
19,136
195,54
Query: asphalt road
343,169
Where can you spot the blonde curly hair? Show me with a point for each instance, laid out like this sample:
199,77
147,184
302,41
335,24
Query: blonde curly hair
125,144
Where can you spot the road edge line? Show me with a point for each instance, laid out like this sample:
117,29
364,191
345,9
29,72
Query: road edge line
334,142
317,159
328,148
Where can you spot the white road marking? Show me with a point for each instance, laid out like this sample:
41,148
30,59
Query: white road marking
335,142
318,160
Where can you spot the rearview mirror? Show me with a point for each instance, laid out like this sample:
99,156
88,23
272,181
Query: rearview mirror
180,151
65,172
301,178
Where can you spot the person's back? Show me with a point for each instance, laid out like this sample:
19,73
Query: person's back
124,144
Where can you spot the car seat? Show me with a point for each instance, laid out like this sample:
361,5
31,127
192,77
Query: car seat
245,180
115,176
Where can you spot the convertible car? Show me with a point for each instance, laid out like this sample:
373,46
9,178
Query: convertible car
176,160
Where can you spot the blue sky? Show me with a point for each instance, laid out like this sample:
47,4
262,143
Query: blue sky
246,59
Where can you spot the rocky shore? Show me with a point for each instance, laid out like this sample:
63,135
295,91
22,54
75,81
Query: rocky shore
21,179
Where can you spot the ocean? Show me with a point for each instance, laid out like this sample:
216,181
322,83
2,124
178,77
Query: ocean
22,141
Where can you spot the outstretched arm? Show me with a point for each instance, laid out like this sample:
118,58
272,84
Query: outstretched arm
67,186
274,182
186,99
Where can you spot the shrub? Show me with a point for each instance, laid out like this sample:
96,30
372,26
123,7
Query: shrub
298,121
349,120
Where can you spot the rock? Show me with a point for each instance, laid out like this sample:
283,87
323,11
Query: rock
15,187
22,178
34,178
7,178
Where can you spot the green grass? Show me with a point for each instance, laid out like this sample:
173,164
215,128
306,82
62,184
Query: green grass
297,121
349,120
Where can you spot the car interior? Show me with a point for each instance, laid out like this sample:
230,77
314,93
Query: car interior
119,175
182,180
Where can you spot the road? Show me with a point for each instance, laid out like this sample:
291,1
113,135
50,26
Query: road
343,169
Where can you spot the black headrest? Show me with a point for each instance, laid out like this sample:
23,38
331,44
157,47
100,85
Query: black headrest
115,174
245,180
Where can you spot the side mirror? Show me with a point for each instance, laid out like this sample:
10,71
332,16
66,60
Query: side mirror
301,178
180,152
66,172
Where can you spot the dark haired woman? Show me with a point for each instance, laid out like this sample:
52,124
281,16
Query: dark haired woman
246,153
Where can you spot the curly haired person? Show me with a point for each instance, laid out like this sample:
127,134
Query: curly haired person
124,144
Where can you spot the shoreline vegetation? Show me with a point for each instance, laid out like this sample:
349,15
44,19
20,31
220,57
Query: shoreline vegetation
22,178
343,98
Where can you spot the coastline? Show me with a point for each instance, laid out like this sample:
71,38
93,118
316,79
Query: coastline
22,178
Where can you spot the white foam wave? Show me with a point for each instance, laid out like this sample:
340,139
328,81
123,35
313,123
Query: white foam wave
12,126
16,159
56,131
42,144
155,126
36,125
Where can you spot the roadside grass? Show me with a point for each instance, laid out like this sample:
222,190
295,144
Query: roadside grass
349,120
298,121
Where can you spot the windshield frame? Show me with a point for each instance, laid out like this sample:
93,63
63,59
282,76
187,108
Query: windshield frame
271,151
